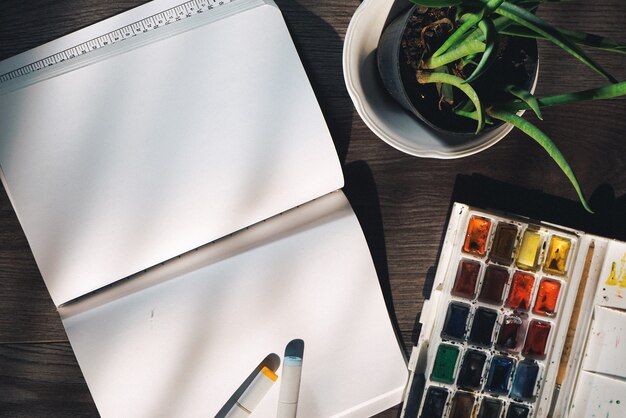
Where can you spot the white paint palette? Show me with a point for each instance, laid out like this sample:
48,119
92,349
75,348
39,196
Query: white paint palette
571,283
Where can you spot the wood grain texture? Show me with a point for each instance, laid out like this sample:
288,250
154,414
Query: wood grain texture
42,380
401,201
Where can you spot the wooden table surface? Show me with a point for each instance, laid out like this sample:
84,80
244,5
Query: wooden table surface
402,201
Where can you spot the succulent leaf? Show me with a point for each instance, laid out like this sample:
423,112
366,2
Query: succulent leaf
491,45
438,77
581,38
599,93
469,20
546,143
500,22
462,50
529,20
527,97
446,91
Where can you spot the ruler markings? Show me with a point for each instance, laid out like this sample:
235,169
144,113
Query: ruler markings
173,14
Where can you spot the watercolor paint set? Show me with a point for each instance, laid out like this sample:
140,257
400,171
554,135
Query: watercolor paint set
525,320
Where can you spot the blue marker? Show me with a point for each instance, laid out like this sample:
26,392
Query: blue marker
289,387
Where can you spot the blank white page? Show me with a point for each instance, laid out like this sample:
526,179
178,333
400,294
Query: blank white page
181,345
140,156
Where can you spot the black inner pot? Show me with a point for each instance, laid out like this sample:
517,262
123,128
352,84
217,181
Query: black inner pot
515,64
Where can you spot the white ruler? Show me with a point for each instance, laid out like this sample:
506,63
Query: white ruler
170,15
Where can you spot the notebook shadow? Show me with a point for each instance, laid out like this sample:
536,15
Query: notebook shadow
361,191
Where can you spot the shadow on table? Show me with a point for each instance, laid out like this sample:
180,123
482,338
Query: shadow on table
609,219
361,191
320,48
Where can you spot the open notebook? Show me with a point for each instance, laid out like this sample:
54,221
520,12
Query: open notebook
179,191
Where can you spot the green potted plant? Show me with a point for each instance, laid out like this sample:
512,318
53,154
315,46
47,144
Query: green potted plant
466,66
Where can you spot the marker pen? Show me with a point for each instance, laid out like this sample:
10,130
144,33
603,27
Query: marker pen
289,387
253,394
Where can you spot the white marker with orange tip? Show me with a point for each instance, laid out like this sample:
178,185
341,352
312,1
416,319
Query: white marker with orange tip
253,394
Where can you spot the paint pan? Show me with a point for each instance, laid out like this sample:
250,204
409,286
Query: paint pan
525,381
503,243
470,375
521,291
495,280
528,254
556,257
477,235
462,405
547,297
500,373
435,402
466,279
482,327
490,408
517,411
445,363
456,321
537,339
511,334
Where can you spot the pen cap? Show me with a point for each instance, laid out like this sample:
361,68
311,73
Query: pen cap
261,384
290,380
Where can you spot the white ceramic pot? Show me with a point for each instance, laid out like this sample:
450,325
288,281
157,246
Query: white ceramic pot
383,115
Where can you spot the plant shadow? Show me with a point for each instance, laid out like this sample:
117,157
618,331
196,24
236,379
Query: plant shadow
486,193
